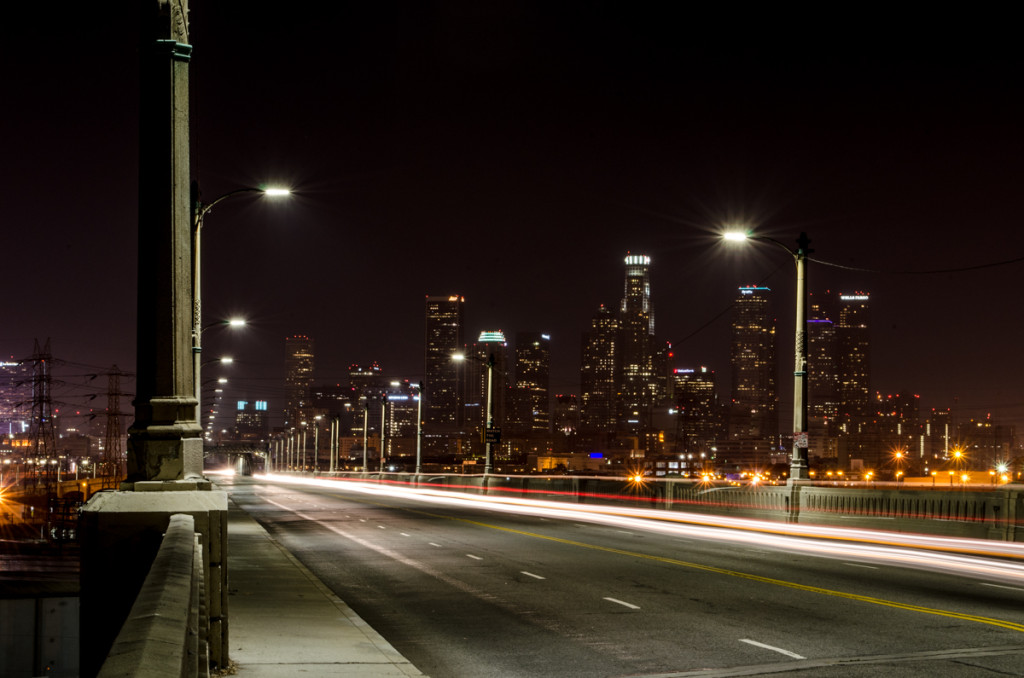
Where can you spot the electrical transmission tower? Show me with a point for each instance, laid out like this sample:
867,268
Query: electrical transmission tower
42,432
112,467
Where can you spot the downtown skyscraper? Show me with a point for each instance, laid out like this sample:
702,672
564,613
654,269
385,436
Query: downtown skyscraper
697,410
443,394
753,412
624,372
599,372
489,348
531,412
854,356
642,373
298,364
839,360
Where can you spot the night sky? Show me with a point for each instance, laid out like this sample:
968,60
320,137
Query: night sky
513,153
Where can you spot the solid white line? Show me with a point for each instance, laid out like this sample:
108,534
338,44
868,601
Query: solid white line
997,586
622,602
531,574
470,555
794,655
870,567
433,544
623,532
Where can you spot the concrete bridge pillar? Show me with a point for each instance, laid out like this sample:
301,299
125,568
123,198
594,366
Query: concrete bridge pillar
165,440
121,531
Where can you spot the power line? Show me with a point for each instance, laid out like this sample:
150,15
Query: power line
961,269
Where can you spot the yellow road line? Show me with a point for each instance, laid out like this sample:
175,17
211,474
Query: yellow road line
757,578
1012,626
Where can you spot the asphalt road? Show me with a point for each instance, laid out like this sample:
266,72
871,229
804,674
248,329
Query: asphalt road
464,590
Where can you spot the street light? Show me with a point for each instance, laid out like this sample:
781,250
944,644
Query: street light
419,428
383,428
489,427
316,441
199,212
366,422
798,463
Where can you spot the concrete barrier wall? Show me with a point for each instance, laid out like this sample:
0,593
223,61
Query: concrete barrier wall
163,636
39,636
121,534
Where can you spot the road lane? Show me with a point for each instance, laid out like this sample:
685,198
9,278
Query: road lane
692,603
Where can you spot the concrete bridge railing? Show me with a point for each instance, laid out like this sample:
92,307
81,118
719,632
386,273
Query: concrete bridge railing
165,635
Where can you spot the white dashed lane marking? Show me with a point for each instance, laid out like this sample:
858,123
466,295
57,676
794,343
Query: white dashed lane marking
794,655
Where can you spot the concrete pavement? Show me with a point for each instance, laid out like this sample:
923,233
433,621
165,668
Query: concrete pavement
286,622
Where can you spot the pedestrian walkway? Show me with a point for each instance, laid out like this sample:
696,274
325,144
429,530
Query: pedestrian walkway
286,622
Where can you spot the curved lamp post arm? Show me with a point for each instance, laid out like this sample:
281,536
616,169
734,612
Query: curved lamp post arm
199,212
200,209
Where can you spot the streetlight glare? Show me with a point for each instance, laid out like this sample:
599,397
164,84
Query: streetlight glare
236,322
458,356
276,192
735,235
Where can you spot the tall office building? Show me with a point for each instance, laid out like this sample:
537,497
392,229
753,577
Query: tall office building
822,364
624,371
566,417
599,373
367,383
251,420
641,383
442,402
490,345
854,355
697,410
298,363
15,397
531,411
753,413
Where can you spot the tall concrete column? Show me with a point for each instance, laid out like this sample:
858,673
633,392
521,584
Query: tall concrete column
165,440
122,531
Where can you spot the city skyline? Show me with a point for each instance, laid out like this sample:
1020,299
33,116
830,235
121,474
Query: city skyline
283,396
512,155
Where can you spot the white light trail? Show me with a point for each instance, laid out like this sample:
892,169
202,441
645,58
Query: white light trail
975,558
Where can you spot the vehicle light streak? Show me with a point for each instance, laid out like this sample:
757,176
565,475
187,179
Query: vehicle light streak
961,557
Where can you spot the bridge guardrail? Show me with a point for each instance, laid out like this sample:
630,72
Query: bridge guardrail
166,632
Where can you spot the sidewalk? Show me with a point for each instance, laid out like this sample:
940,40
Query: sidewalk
286,622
